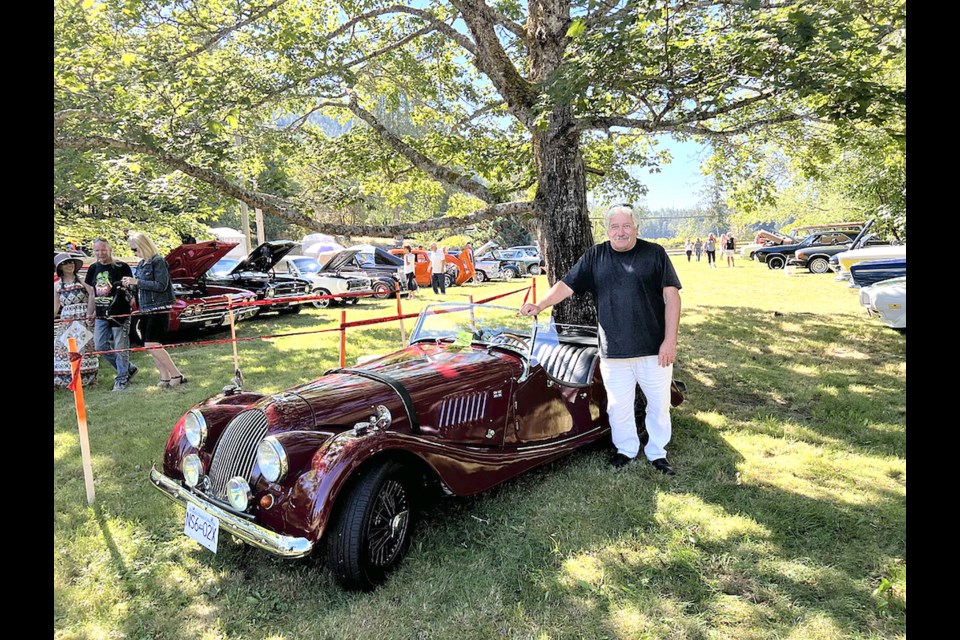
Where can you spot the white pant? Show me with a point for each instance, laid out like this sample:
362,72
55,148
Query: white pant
620,377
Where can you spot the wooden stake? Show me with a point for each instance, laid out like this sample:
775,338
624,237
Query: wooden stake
403,333
82,422
343,338
233,336
534,289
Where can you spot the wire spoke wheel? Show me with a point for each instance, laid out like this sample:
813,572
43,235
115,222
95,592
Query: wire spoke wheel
388,524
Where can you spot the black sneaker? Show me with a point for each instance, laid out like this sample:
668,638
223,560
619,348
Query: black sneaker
619,461
132,371
661,465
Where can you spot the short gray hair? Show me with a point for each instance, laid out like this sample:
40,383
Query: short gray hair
621,209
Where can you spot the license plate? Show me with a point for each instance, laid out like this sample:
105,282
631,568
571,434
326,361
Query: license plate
202,527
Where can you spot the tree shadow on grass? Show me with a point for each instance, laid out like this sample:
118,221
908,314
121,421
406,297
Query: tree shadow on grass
831,377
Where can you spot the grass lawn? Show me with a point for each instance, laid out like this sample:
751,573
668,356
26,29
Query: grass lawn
787,518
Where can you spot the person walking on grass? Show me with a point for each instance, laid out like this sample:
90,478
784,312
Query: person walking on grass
410,272
636,292
688,249
437,268
729,249
112,326
155,298
710,246
698,248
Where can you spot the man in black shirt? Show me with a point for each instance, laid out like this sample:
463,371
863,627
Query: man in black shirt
111,332
637,296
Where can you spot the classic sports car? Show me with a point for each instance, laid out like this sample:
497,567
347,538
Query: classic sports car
514,263
324,284
255,272
864,274
479,396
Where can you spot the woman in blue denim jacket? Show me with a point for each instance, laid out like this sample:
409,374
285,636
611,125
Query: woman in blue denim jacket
155,298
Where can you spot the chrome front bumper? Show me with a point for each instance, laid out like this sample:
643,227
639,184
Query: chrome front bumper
250,532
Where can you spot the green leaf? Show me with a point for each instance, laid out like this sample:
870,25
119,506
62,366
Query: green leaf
576,29
87,4
128,59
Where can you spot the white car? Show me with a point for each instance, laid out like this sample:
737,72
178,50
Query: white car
881,252
887,300
323,284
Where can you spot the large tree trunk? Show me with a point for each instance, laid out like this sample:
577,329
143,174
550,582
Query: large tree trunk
564,229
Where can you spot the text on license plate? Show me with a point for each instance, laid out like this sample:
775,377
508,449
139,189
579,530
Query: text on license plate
202,527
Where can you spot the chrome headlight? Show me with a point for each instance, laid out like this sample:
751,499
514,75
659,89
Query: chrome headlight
270,292
306,289
195,428
192,469
272,459
238,493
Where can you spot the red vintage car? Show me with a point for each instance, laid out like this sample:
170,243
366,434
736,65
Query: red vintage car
458,268
480,396
200,305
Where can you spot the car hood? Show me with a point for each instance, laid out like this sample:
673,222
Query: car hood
339,260
278,249
188,262
429,372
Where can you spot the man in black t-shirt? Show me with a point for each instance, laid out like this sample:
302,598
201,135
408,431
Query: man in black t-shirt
111,332
637,295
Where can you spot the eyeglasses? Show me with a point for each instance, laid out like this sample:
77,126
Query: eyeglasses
134,249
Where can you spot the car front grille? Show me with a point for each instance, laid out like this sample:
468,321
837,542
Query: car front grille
288,290
236,450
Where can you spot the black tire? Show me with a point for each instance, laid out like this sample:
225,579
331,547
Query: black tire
352,300
534,269
381,290
370,533
481,277
510,272
776,262
321,304
819,265
451,281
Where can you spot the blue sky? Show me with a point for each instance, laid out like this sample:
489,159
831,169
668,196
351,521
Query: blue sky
678,183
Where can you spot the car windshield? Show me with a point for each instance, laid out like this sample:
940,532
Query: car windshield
224,266
474,324
307,265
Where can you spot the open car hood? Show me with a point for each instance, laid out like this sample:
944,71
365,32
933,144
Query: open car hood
339,260
258,261
188,262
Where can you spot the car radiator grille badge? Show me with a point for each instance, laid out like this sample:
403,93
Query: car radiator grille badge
236,450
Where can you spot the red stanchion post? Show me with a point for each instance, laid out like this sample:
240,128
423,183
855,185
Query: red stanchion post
403,332
534,289
343,338
75,362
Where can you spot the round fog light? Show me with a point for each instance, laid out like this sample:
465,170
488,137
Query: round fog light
238,493
192,469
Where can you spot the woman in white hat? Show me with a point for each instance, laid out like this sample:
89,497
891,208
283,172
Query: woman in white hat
73,301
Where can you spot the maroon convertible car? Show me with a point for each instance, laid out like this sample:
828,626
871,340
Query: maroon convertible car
480,396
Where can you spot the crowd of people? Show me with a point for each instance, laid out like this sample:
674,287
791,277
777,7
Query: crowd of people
101,304
727,245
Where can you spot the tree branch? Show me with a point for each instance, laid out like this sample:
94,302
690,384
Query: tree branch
493,61
223,33
426,15
605,122
396,45
476,114
61,116
419,160
281,208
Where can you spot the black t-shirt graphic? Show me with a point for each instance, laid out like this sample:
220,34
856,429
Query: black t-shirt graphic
628,289
105,280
